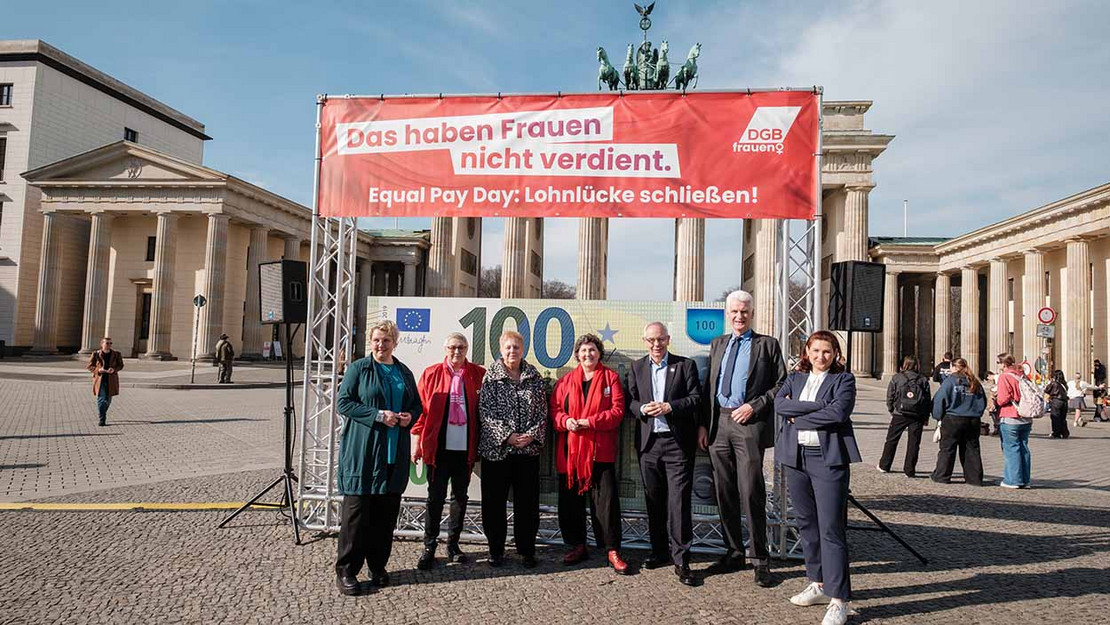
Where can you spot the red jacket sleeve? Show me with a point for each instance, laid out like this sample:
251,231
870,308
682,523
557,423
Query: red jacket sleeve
1008,392
610,419
558,415
422,389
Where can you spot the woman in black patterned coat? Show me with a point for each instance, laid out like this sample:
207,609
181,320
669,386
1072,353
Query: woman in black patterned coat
512,413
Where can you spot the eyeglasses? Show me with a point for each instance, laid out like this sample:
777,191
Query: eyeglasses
660,341
456,348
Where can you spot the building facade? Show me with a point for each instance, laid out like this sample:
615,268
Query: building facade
111,225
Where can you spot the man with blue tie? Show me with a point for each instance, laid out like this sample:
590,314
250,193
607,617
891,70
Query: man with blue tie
664,394
746,370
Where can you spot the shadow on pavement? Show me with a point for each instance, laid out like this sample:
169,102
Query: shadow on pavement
21,466
69,435
990,509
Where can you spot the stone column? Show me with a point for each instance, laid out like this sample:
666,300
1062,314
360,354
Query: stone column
161,300
925,295
853,246
365,289
441,266
969,318
997,322
689,252
215,276
253,332
1032,300
292,248
1076,316
409,285
593,248
766,284
46,306
942,321
94,324
514,265
891,316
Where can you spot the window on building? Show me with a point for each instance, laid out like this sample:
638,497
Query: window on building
1010,290
3,151
537,265
6,94
151,243
130,135
469,263
1047,285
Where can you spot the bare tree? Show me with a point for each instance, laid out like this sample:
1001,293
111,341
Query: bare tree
489,282
557,289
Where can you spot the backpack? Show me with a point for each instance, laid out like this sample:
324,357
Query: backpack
1030,403
912,399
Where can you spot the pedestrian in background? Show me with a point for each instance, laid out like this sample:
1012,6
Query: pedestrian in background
1015,429
909,402
1077,388
959,406
943,369
991,383
1057,392
105,365
1099,394
225,354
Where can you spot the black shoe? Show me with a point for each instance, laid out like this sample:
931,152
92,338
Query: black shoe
347,585
102,423
427,559
653,562
496,561
729,563
938,481
763,576
379,578
910,474
454,554
529,562
685,575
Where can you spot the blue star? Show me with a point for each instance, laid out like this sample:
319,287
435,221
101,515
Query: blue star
608,333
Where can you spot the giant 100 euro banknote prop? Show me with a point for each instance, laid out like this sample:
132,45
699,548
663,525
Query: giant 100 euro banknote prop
550,328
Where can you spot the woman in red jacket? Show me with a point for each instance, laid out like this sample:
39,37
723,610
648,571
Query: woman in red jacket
446,439
587,407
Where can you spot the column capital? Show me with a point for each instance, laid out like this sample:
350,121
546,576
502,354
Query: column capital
864,187
223,216
258,227
1031,251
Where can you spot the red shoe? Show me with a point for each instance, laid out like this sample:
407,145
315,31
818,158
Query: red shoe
619,565
576,555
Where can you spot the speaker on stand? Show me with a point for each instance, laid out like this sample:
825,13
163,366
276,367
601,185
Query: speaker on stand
283,290
856,298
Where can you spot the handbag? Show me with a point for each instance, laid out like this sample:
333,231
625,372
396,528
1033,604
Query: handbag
936,434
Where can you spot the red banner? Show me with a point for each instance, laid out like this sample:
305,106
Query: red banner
588,155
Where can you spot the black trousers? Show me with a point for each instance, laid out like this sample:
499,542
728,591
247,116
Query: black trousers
605,509
1058,414
225,372
451,466
737,458
959,436
898,424
366,532
521,475
668,474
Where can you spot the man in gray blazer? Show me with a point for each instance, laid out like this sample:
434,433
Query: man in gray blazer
746,370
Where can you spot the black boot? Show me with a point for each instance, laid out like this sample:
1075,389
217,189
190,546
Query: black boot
454,554
427,559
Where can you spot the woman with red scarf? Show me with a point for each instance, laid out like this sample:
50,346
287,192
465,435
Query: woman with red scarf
446,439
587,407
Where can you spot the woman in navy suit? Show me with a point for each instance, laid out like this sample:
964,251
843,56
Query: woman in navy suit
815,446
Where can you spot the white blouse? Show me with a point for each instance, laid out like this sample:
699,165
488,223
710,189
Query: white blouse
808,438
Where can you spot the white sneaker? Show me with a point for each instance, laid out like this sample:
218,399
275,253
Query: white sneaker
836,614
812,595
1005,485
881,470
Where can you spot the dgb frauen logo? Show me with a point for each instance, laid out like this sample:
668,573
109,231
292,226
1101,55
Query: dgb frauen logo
767,129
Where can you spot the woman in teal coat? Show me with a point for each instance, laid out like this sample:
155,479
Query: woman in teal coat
379,399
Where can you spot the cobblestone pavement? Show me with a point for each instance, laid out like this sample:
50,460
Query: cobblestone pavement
996,555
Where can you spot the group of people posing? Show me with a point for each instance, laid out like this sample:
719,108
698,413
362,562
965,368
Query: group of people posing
458,414
959,406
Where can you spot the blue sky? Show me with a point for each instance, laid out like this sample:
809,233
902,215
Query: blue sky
997,107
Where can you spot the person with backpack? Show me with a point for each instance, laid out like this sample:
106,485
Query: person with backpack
908,400
1018,402
1057,392
959,406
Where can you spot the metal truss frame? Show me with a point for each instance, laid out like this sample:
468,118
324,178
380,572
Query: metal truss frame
329,346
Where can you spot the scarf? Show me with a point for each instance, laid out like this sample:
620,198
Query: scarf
580,444
456,412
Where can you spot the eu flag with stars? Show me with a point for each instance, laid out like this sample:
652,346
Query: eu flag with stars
414,319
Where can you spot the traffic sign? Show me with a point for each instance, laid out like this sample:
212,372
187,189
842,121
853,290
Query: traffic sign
1046,315
199,301
1046,331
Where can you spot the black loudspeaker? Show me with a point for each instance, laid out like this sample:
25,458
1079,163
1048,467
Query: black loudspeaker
283,291
856,296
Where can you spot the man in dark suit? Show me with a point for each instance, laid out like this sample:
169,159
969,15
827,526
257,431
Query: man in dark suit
664,394
746,369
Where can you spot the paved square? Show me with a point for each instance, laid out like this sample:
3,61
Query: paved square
996,555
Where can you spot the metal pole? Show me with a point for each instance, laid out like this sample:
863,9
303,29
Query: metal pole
905,218
196,329
818,228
